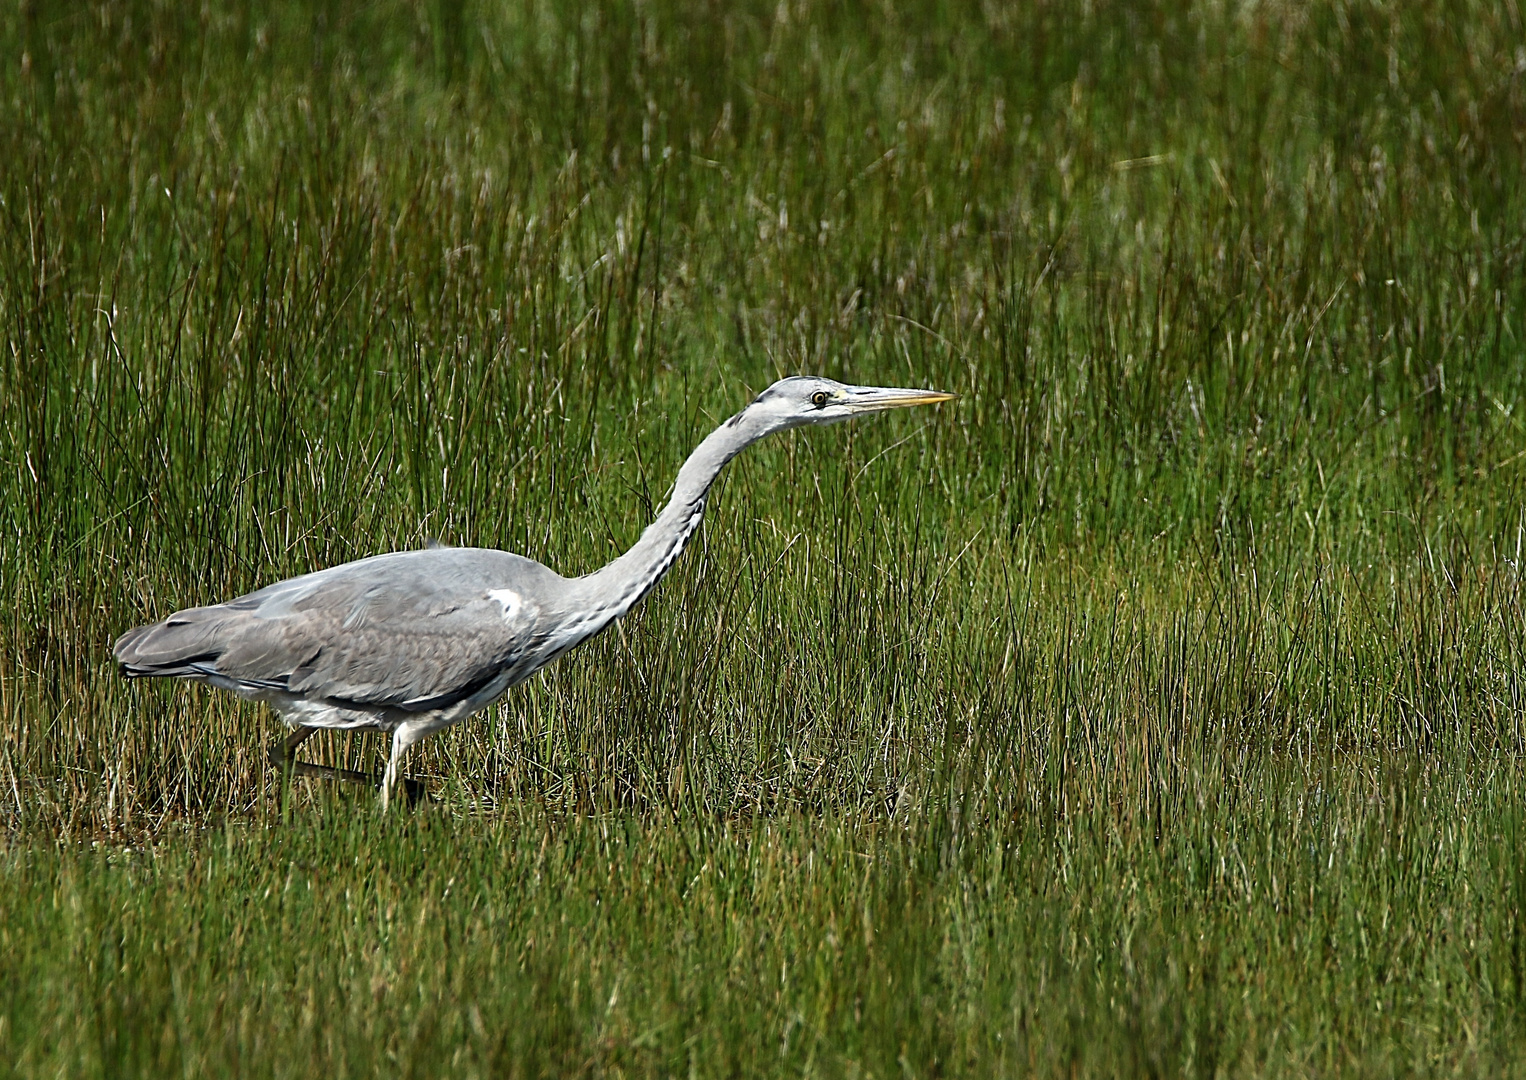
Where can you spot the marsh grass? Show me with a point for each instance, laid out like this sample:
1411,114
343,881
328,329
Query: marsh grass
1155,709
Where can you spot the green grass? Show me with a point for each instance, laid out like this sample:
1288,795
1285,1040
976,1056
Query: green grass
1158,708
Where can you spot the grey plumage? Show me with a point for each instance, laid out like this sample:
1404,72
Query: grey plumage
410,642
410,631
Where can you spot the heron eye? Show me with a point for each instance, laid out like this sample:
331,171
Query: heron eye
819,398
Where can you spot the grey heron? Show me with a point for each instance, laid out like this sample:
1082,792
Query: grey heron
413,641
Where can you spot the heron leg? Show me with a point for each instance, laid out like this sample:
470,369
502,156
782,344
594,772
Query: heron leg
283,755
284,752
402,738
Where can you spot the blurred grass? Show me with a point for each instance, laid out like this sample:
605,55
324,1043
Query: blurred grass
1155,709
1277,928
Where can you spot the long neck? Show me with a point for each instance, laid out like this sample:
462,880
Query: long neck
617,587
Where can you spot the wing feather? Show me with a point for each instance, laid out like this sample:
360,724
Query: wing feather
413,630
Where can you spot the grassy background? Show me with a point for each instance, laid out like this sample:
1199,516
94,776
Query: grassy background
1155,709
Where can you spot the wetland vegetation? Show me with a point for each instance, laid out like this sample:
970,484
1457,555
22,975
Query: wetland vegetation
1155,709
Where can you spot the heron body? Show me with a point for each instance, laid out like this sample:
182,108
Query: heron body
414,641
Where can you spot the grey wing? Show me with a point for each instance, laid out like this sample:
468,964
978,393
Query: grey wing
413,631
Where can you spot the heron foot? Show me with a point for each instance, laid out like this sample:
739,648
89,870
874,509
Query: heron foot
283,755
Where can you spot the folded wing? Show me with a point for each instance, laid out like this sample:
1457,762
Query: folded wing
415,631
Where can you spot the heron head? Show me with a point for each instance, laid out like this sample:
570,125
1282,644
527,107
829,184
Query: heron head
809,399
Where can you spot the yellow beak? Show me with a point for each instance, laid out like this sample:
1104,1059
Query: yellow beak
876,398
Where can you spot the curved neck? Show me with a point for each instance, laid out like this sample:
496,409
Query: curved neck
617,587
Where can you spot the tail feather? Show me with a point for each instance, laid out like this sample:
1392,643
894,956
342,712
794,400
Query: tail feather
184,645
